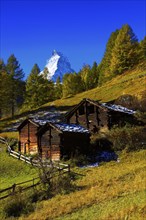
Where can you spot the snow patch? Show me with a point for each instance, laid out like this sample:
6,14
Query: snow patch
71,128
118,108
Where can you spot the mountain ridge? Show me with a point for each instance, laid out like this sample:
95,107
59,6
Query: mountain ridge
57,66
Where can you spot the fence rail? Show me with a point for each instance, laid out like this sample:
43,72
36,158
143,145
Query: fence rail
15,188
23,186
31,161
60,167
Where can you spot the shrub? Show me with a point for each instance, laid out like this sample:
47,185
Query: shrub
16,205
62,185
128,138
78,160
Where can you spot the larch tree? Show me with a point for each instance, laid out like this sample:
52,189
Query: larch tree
58,89
125,52
38,89
4,84
72,84
142,48
15,82
84,73
93,77
104,67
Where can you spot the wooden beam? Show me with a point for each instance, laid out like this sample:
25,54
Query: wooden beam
50,142
86,114
77,116
97,115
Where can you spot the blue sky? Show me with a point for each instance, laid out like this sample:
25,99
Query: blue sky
31,30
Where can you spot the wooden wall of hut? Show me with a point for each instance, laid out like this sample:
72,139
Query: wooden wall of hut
120,119
90,116
73,144
28,138
55,145
49,143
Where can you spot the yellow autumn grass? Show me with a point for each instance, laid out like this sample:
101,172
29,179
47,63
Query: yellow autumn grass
9,135
122,184
131,82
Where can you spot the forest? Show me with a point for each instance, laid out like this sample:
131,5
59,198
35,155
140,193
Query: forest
123,52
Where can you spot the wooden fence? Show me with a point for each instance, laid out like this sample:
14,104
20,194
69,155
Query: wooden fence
23,186
15,188
19,187
32,161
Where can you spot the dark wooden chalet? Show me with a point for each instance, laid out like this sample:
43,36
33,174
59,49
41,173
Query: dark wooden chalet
52,140
94,115
28,141
57,140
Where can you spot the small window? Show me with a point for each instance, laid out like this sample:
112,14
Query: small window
81,110
90,109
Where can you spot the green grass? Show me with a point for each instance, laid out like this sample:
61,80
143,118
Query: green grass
12,170
111,191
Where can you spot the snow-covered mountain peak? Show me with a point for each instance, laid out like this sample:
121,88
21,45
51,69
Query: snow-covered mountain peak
57,66
54,53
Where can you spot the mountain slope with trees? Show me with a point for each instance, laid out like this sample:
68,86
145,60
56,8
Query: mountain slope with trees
123,53
131,83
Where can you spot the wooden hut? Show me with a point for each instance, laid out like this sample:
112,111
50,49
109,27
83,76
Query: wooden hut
94,115
57,140
52,140
27,137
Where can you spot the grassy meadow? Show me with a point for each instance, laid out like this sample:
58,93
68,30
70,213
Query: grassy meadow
111,191
12,170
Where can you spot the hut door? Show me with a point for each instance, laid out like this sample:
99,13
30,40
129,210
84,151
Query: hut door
55,152
26,148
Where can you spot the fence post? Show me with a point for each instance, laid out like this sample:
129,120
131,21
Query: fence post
13,188
9,151
19,156
31,161
59,168
69,168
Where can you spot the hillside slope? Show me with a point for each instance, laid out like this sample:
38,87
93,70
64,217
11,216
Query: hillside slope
13,170
131,82
110,191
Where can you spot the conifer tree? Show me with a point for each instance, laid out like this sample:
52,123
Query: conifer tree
15,82
84,73
93,76
125,51
104,67
38,89
4,84
142,48
72,84
58,89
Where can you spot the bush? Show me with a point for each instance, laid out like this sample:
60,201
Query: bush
13,142
62,185
78,160
16,205
128,138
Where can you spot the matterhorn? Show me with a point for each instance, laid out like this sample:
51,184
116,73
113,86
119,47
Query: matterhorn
57,66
